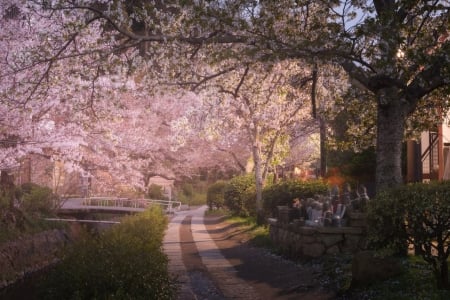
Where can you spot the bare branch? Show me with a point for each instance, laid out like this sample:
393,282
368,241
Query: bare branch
241,81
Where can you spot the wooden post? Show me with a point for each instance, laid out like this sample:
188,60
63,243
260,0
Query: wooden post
440,152
411,161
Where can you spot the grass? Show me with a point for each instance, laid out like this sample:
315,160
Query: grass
415,283
259,235
197,198
217,212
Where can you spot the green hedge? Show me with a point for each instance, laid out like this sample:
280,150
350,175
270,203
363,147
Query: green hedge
156,192
240,196
417,214
31,203
37,199
125,262
283,192
215,194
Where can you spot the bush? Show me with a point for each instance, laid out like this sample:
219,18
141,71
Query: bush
37,199
249,197
193,193
188,190
238,196
215,194
156,192
284,192
31,202
417,214
125,262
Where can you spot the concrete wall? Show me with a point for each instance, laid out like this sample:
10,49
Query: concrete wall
29,254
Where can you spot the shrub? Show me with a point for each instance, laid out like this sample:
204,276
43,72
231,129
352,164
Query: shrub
249,197
125,262
31,202
385,220
156,192
237,195
188,190
37,199
284,192
418,214
192,193
215,194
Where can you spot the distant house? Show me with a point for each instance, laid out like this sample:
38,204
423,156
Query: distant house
429,158
41,170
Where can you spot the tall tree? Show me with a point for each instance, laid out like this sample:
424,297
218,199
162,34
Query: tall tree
398,50
259,105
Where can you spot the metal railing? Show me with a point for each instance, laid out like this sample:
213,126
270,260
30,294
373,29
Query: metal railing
167,205
82,221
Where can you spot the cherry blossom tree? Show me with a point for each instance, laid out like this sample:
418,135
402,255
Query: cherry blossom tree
259,105
397,50
74,62
139,138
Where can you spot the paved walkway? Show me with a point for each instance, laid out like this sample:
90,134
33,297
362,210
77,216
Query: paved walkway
222,272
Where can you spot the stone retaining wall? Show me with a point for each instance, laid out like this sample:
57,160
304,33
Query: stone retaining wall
29,254
301,241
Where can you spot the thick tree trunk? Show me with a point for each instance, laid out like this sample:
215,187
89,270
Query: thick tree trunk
442,282
390,129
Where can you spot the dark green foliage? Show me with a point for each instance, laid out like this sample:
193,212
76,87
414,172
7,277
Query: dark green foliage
240,196
125,262
188,190
156,192
36,199
356,167
249,197
416,282
385,219
30,202
284,192
418,214
215,194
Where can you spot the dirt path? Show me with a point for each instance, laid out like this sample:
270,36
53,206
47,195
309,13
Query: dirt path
220,263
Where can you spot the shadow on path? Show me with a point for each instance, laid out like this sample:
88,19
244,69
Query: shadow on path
271,276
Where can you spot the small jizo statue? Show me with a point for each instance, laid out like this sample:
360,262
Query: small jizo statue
346,194
364,198
334,197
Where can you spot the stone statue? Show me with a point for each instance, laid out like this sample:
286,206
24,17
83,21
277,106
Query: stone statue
346,194
364,198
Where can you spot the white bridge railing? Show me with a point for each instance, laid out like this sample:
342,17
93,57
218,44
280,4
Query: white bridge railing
167,205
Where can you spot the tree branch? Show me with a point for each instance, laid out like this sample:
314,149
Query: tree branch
235,158
428,80
241,81
356,73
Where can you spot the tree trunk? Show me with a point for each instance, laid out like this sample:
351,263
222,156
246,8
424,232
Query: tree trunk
442,276
390,129
258,176
323,149
259,182
7,188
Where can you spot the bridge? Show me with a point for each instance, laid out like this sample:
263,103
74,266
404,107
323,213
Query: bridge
115,205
